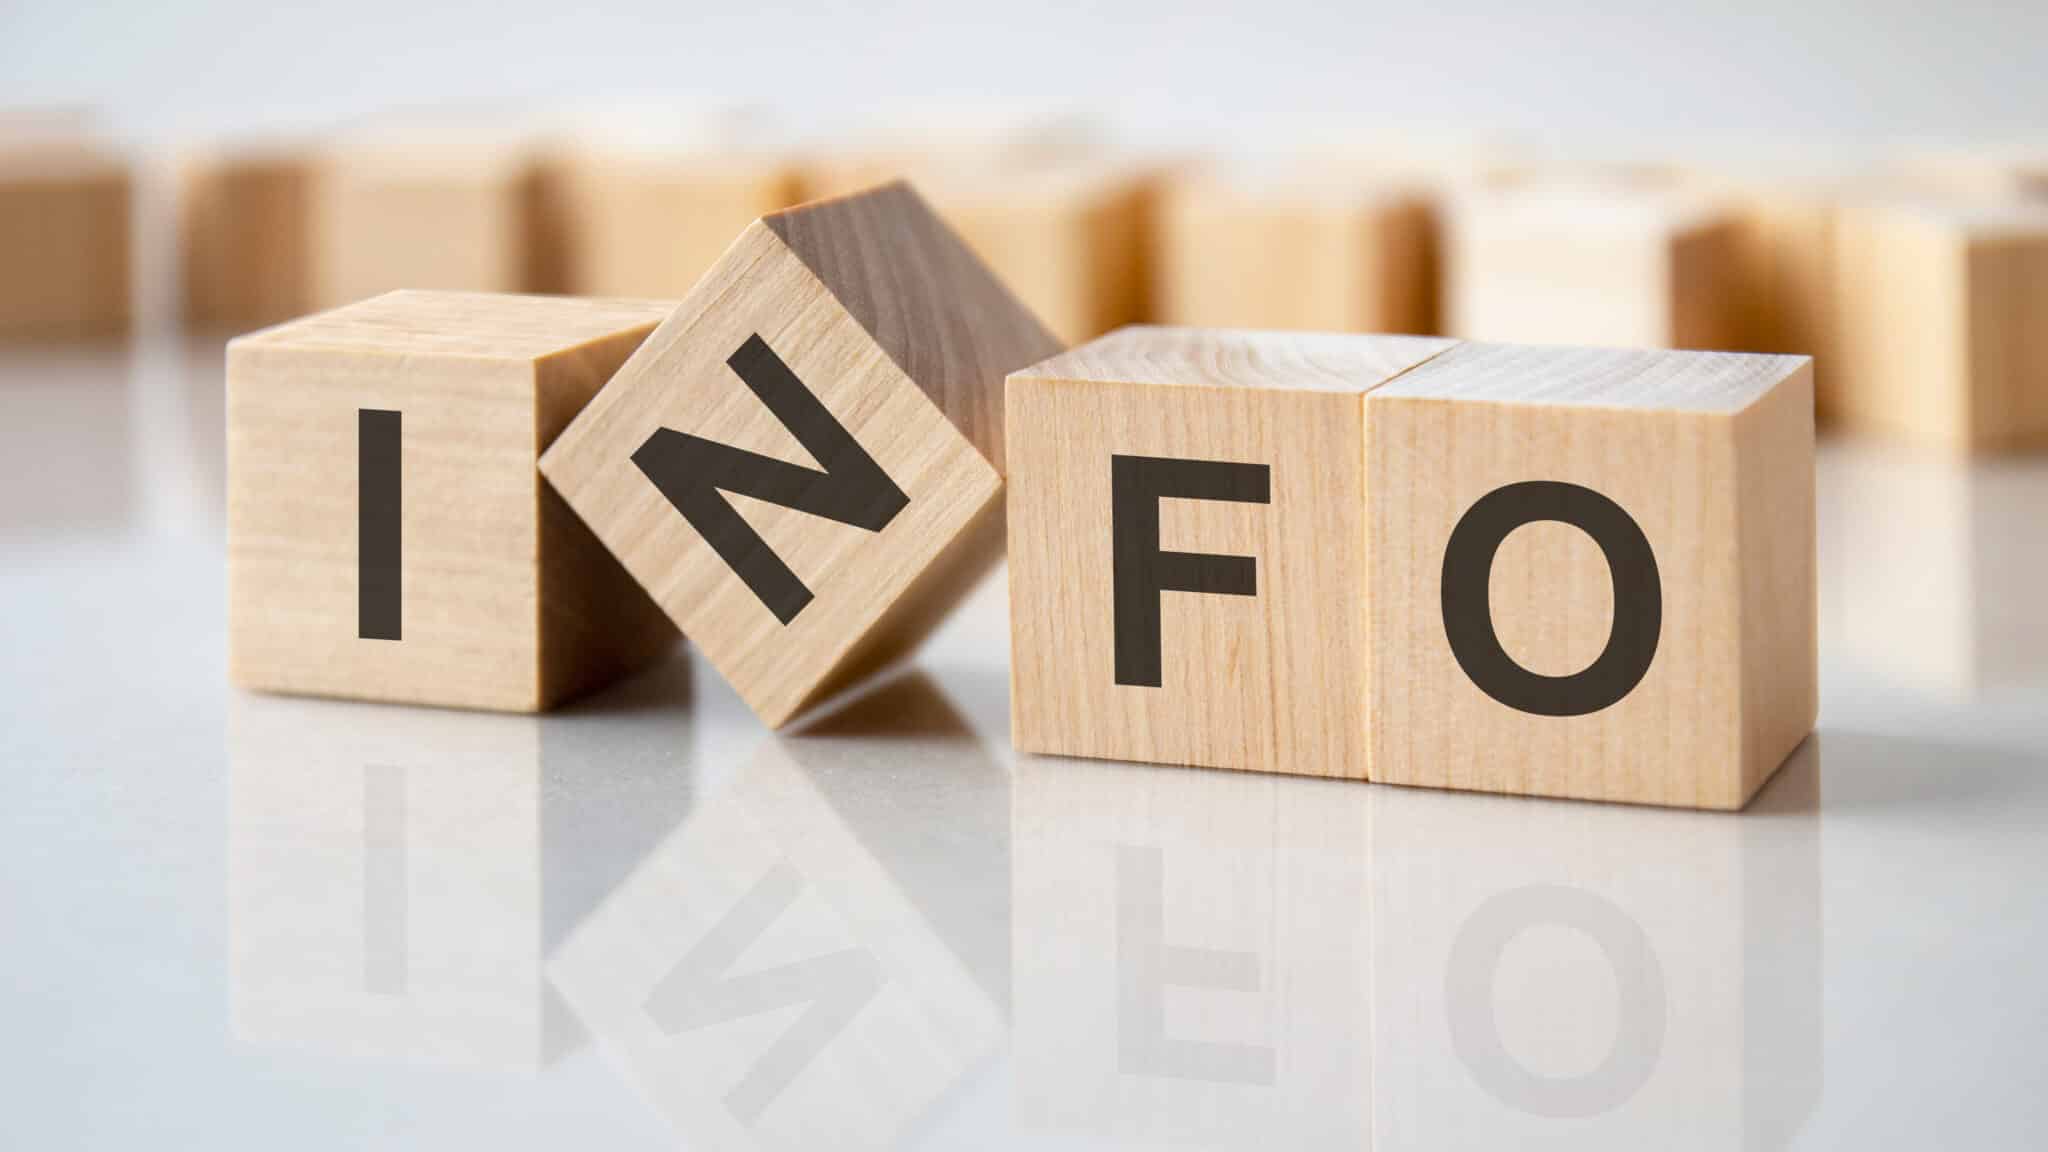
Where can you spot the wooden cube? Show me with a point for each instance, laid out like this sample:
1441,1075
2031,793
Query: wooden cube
1592,572
1643,269
1784,273
1326,255
1225,468
454,219
1635,979
65,231
246,237
1942,339
388,535
640,224
840,370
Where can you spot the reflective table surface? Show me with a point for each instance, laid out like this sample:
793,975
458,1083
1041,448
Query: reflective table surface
645,921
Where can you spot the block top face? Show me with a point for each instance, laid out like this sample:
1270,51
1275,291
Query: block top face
1625,378
1977,220
1597,210
1236,358
464,325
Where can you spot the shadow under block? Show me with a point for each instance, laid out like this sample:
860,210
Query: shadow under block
651,225
1640,269
1592,573
803,465
64,242
457,220
388,535
246,237
1944,325
1333,260
1188,547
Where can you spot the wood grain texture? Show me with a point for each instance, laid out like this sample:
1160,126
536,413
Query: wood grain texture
246,236
1315,255
1711,456
65,225
1273,681
903,337
1942,343
1642,268
508,603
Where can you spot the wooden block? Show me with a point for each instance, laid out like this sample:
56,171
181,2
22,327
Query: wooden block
1784,273
65,231
1324,255
1942,342
456,219
246,237
388,536
1629,269
1650,636
1987,174
838,374
640,224
1221,463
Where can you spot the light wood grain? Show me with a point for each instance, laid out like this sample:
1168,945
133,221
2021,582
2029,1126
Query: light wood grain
1711,456
1271,682
1942,342
65,208
903,337
246,236
508,602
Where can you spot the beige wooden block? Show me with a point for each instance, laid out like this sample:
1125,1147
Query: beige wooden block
451,219
388,535
65,227
1988,174
1592,572
246,236
804,464
650,224
1942,339
1221,463
1321,255
1784,276
1540,265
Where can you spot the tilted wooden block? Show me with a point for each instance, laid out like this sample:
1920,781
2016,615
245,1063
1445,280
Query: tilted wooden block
635,224
1942,339
1592,572
388,535
64,233
1222,467
246,237
1324,255
803,465
1641,269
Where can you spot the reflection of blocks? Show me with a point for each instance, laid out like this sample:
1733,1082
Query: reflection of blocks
766,983
803,465
1333,257
388,536
650,225
64,242
1594,976
246,238
1647,270
456,219
1192,961
1592,572
1942,341
1188,547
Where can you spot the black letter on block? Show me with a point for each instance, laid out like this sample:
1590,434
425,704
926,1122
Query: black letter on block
692,471
1468,609
1142,571
378,543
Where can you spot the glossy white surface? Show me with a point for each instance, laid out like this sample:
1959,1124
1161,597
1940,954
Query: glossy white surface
647,922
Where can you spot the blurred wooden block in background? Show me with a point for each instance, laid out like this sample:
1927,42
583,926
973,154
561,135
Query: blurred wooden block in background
246,236
451,219
65,224
1991,173
1592,572
1218,463
1784,273
804,463
1331,255
1944,324
1619,268
649,224
388,535
1069,237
